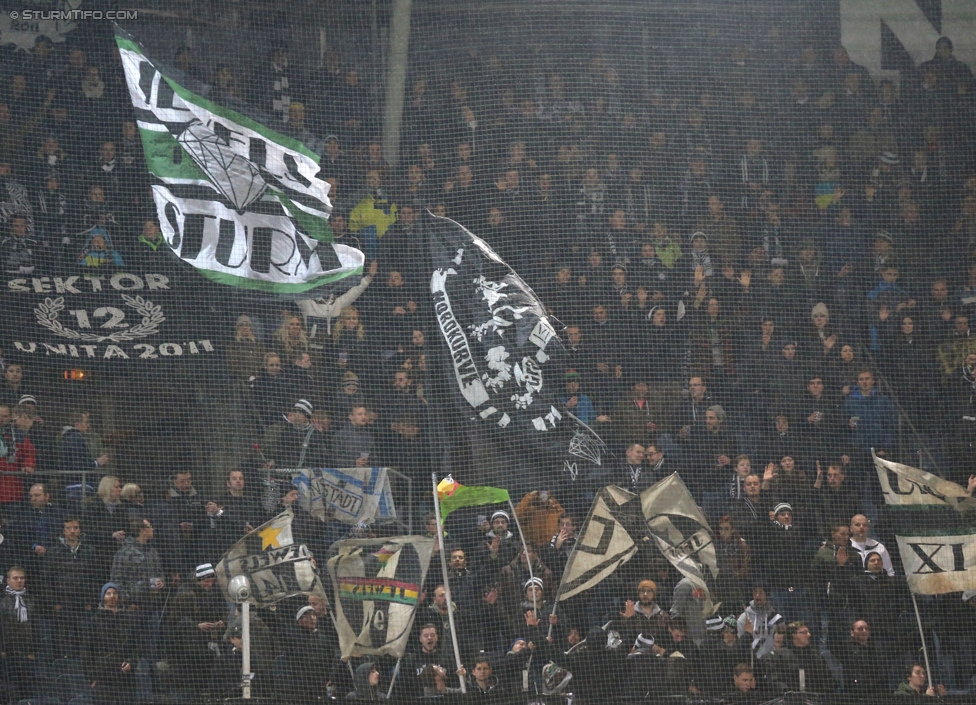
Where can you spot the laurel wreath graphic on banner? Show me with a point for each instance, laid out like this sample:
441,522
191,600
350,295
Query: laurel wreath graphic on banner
152,315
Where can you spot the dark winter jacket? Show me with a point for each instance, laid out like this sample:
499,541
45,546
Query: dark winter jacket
134,567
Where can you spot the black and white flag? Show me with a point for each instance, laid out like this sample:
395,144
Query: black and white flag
377,585
679,529
905,486
504,353
939,562
274,565
604,544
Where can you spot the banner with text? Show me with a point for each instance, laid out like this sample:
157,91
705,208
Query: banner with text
939,564
274,565
349,495
237,200
377,585
121,316
904,485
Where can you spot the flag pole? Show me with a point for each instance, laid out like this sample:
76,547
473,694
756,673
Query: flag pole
335,625
569,561
396,672
525,548
921,633
447,585
246,650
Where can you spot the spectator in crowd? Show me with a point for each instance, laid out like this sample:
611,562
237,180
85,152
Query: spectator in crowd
870,415
916,684
838,501
137,568
309,677
71,575
297,443
76,455
19,634
864,663
720,656
245,355
373,215
864,545
106,521
803,658
111,657
428,655
21,456
270,390
195,620
759,619
354,442
180,520
643,616
38,527
744,689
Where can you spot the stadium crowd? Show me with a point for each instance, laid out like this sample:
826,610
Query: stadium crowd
765,270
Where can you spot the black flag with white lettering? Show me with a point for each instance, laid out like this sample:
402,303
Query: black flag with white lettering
109,317
503,361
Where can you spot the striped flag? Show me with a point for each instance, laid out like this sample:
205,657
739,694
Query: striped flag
235,199
377,584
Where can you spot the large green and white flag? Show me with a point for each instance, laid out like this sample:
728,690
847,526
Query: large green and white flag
236,200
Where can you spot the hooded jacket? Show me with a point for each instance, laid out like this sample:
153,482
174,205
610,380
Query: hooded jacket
764,620
363,690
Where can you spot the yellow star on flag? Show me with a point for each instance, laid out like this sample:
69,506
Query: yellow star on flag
269,537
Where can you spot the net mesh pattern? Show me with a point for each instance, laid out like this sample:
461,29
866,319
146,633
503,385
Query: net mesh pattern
759,258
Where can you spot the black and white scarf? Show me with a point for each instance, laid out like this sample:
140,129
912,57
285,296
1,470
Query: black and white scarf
19,607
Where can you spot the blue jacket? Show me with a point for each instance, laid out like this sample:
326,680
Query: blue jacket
38,527
584,410
876,418
75,454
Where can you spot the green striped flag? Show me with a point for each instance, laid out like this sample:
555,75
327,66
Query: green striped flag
454,495
235,199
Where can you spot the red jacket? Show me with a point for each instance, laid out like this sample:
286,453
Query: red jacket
12,485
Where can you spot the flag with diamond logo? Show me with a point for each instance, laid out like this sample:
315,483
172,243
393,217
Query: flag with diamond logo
235,199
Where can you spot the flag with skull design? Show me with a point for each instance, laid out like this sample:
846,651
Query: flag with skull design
502,354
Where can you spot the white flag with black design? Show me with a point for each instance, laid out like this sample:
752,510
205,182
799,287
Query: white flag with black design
904,485
939,563
238,201
604,542
273,562
678,527
502,354
377,584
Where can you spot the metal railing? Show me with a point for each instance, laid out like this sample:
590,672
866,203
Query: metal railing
904,420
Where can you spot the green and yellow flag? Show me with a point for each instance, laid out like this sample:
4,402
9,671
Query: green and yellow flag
453,495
